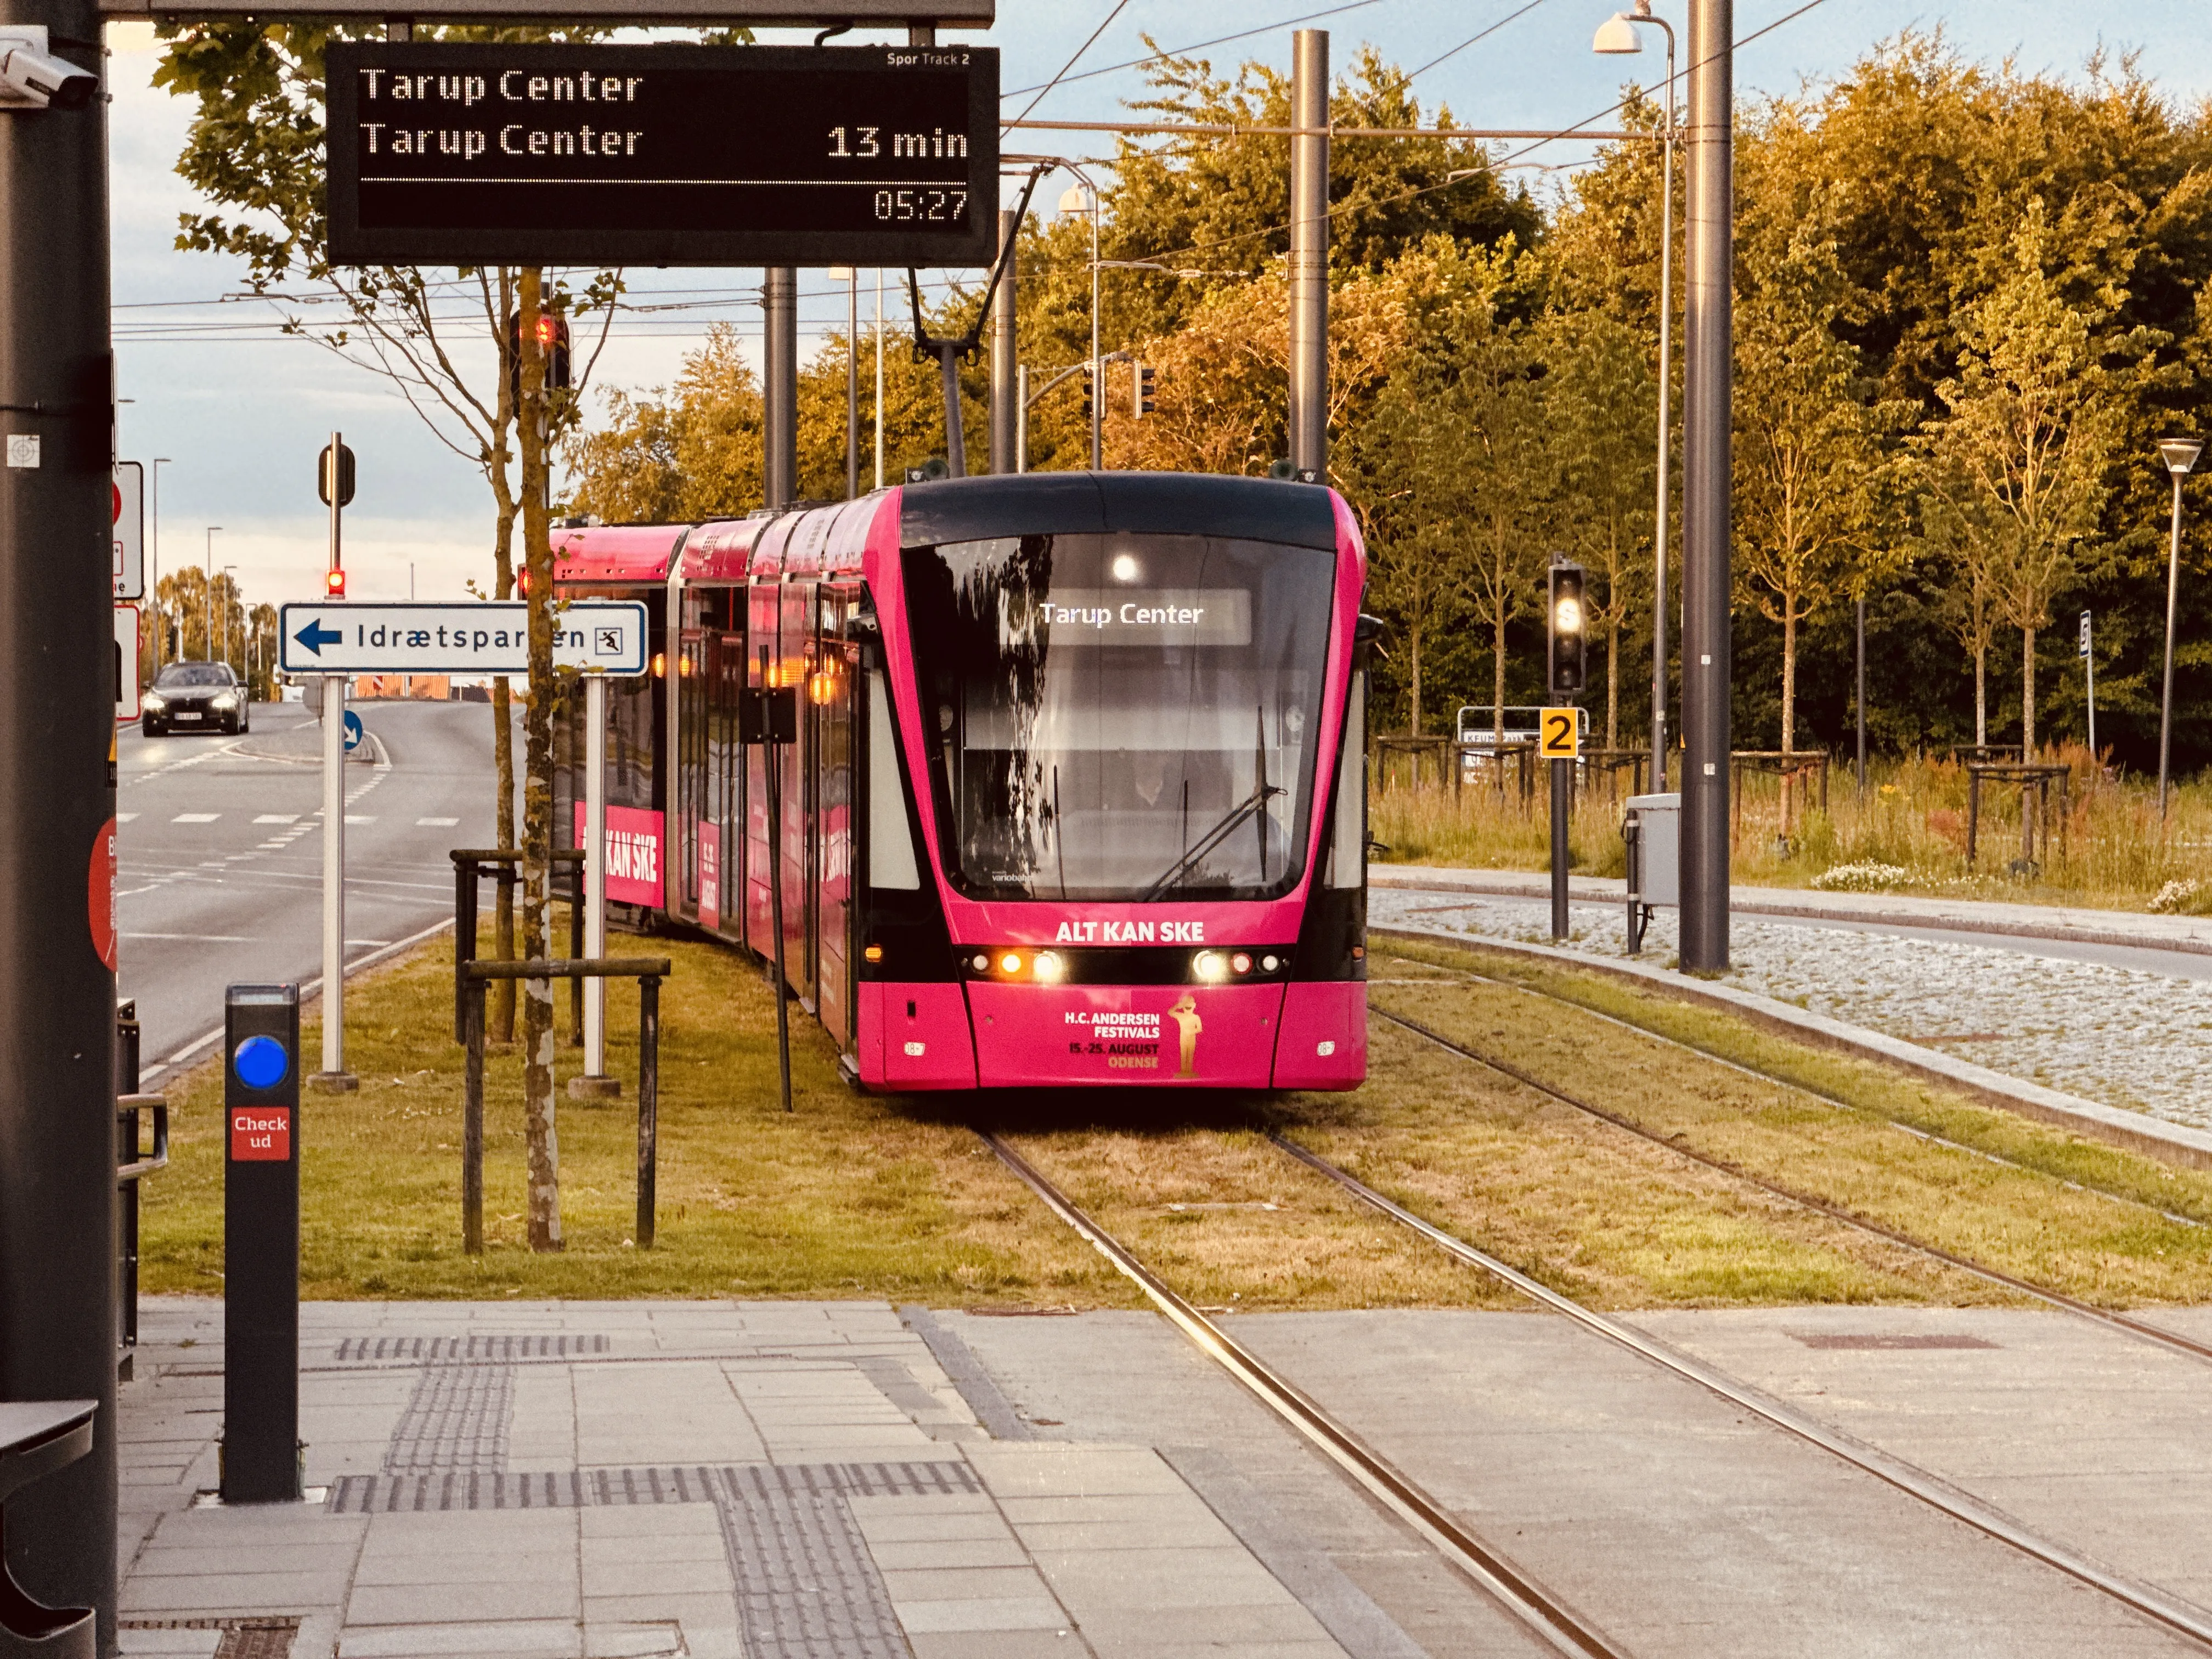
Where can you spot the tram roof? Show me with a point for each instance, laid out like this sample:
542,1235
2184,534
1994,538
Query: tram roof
1161,504
960,510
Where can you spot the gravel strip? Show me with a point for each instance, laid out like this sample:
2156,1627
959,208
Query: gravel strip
2139,1041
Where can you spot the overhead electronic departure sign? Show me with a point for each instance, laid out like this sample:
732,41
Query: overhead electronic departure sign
663,155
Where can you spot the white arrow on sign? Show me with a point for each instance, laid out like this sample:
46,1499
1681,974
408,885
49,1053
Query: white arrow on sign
606,636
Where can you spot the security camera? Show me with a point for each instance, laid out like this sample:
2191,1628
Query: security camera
30,78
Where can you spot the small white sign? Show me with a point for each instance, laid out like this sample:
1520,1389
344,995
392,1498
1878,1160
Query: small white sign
23,449
2084,650
606,636
127,499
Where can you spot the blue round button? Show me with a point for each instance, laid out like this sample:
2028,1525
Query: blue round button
260,1062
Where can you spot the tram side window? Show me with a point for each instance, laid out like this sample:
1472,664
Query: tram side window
1348,852
890,841
629,742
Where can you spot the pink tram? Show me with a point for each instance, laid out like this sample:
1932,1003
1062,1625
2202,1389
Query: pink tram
1078,795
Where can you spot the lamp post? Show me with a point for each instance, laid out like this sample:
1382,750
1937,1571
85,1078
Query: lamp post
2180,455
227,600
154,576
1618,34
850,275
1085,199
211,529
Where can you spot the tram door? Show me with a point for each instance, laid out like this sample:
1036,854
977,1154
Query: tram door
831,702
691,783
796,635
761,638
721,844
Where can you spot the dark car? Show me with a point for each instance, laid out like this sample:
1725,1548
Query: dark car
195,696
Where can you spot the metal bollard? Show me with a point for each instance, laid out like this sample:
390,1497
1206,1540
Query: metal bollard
262,1455
648,1103
472,1119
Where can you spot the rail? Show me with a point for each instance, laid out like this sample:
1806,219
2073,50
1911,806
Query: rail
648,971
1545,1615
2172,1612
469,864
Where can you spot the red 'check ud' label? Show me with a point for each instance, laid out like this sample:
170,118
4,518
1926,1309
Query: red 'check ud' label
261,1132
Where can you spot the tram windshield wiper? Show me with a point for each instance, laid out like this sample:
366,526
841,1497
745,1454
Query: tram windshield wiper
1196,852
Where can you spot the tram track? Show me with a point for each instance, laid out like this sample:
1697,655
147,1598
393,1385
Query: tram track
2141,1330
1796,1086
1542,1610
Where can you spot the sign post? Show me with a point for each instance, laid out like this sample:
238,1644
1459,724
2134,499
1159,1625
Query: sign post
595,1084
261,1449
2089,669
334,482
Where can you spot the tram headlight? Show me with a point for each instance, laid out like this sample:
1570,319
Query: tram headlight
1211,967
1011,963
1048,967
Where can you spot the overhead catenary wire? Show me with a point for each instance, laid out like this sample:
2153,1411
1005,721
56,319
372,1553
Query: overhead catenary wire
1201,46
1119,6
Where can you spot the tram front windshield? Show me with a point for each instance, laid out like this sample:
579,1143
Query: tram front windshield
1122,717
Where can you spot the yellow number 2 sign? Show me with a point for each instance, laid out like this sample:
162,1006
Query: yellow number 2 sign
1562,734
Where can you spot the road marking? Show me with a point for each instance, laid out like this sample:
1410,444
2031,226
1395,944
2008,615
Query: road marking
195,817
197,939
360,817
124,817
436,823
278,817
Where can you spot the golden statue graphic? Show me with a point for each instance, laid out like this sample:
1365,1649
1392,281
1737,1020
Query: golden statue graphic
1185,1014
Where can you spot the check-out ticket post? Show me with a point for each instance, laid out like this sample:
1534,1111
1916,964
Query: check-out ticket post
261,1451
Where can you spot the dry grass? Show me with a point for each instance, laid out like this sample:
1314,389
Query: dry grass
1914,817
2028,1222
846,1196
856,1196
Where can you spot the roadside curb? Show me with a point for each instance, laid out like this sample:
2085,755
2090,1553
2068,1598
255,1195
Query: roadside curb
2174,1143
1588,891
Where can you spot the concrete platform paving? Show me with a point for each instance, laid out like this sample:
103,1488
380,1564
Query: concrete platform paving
623,1480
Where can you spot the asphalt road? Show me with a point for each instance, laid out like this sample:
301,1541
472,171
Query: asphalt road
220,853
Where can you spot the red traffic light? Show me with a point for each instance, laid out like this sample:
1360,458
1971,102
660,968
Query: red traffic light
334,584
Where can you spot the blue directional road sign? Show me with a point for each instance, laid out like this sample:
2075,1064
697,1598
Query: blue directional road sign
606,636
354,733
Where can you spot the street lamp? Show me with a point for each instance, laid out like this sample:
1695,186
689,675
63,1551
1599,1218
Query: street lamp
1617,34
850,275
211,529
2180,455
1084,199
228,597
154,576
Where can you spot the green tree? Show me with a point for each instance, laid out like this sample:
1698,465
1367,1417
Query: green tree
2030,430
1604,409
1807,450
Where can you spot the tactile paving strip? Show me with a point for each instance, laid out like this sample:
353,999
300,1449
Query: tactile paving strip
457,1420
371,1349
386,1494
807,1588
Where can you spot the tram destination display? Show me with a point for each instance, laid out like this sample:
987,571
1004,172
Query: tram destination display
673,155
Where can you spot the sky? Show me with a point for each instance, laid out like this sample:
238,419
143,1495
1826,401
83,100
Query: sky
240,413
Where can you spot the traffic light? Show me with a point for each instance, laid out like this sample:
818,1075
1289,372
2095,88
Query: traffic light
334,583
1086,393
1141,390
345,475
1565,632
552,343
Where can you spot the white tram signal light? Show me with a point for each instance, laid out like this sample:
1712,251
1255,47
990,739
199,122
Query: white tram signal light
1567,633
